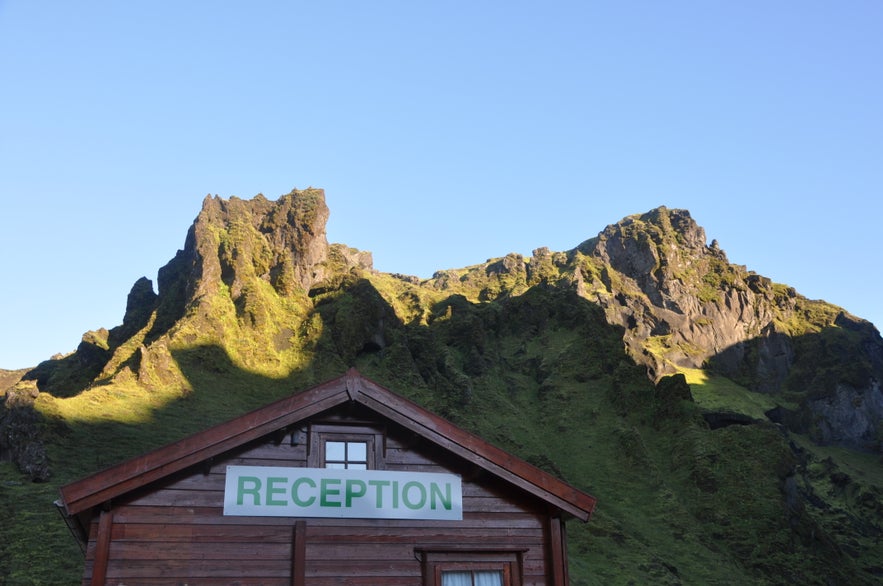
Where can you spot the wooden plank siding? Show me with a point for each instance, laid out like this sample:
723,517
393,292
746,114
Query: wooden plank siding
175,531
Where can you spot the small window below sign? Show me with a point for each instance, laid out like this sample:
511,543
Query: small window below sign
471,565
474,578
348,455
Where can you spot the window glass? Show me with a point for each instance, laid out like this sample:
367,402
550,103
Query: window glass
472,578
357,451
456,579
488,578
335,451
354,447
346,455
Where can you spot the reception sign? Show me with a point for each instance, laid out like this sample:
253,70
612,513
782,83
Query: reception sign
266,491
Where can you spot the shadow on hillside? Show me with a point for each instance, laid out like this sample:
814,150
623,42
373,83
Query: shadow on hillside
434,362
826,384
437,361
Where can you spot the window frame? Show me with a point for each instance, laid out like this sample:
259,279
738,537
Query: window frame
347,462
320,434
435,560
503,567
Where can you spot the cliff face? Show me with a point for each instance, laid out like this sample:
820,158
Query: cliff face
670,290
574,359
240,282
683,305
235,242
282,243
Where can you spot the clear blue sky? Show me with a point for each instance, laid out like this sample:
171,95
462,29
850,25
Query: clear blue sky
444,134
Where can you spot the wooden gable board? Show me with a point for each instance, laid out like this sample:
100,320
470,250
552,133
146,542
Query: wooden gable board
82,495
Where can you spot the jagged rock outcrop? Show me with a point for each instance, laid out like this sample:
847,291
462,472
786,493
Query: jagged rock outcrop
239,259
684,305
665,285
281,242
21,441
232,241
848,416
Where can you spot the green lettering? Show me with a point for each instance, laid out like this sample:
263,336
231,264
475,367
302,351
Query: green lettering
295,495
253,490
435,491
406,492
274,490
325,491
395,494
351,492
378,485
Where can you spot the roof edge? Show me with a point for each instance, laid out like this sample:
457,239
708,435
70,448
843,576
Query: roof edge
102,486
139,470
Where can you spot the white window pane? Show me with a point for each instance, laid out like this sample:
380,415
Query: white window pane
335,465
335,451
352,466
488,578
456,579
358,452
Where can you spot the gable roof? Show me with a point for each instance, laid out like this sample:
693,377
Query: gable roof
80,496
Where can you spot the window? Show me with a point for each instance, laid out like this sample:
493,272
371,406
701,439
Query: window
345,447
348,455
471,565
473,578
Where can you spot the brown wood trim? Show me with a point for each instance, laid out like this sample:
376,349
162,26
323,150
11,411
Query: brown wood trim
558,557
353,384
299,554
564,562
460,548
102,548
505,568
437,558
425,568
373,436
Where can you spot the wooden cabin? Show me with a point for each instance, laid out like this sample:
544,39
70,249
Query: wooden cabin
344,483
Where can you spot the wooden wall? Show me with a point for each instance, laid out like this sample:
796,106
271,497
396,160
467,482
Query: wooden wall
175,532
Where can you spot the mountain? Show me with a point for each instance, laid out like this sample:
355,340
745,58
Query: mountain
730,428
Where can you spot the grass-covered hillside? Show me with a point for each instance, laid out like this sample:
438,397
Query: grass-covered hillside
706,408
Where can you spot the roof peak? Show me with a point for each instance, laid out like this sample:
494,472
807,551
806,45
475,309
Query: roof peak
101,487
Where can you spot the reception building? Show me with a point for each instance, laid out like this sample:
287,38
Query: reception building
343,483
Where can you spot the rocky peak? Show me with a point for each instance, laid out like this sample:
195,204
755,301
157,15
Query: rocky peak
656,250
678,295
683,305
282,242
244,264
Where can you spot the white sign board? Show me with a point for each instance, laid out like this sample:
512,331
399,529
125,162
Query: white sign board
265,491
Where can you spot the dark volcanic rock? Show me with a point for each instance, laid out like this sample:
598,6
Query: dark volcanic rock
683,305
20,440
